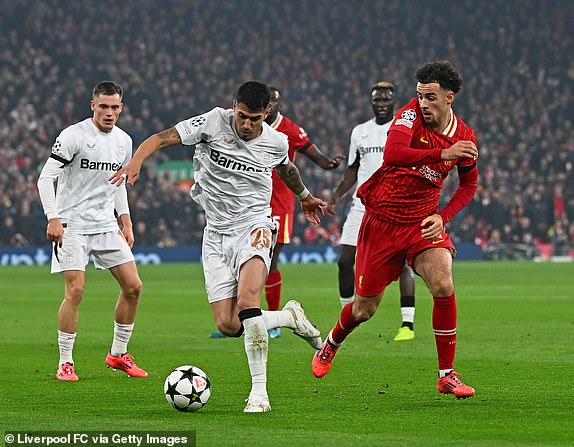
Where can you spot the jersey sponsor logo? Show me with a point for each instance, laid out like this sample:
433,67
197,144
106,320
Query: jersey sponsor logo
431,174
437,241
424,140
99,165
91,146
371,149
230,163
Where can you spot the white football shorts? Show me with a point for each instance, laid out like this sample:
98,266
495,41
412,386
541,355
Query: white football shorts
107,249
350,232
224,254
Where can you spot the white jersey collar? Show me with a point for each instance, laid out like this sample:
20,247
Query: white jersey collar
451,126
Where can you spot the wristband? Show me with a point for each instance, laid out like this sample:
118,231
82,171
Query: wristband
303,194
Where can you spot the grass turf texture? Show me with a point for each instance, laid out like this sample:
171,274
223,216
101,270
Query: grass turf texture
515,346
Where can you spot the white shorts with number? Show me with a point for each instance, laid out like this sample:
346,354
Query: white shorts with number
350,232
224,254
107,249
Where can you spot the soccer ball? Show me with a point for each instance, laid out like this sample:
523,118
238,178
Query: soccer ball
187,388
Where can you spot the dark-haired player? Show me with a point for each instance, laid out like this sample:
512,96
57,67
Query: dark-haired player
283,199
402,220
236,151
368,141
81,222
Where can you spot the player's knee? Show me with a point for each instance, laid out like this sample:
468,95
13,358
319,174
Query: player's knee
443,288
363,311
133,290
229,328
74,293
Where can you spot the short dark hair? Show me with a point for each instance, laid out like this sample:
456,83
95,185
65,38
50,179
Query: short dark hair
108,88
254,94
383,85
442,72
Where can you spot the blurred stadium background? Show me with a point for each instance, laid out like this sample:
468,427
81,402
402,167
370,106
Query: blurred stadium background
180,58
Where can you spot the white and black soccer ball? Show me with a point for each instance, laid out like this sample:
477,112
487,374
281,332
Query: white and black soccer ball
187,388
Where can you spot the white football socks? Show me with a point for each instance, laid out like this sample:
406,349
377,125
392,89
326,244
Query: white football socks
66,345
256,346
408,314
278,318
122,335
345,301
444,372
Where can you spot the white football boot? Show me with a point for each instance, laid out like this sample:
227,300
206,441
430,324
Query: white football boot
257,404
303,327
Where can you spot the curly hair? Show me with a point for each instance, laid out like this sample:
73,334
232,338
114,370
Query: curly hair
442,72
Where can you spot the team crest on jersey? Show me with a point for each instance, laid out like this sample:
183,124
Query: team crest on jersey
228,139
121,151
407,118
448,163
265,158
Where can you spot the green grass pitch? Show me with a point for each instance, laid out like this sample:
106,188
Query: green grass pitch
515,346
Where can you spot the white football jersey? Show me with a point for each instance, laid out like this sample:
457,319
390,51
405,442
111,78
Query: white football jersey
368,141
84,196
232,176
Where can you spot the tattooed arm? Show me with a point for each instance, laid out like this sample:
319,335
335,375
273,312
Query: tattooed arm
291,177
313,207
161,140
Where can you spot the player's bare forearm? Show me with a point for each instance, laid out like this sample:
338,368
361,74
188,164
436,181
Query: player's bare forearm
291,177
127,229
349,179
161,140
322,160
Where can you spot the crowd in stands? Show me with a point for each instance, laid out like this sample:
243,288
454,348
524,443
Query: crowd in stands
176,59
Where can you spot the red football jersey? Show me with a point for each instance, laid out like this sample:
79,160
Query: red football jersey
282,198
408,193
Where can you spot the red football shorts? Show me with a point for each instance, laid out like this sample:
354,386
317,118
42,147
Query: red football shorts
284,225
382,249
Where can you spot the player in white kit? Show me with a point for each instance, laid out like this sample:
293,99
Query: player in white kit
235,154
365,157
79,203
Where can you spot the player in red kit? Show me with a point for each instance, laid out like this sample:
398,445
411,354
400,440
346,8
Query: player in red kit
282,199
402,221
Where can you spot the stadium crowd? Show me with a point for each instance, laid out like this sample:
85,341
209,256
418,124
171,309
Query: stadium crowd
178,58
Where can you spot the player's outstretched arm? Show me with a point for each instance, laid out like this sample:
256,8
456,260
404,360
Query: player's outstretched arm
349,179
322,160
313,207
161,140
